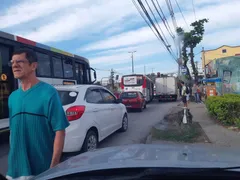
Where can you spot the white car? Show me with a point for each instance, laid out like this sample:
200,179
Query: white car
94,113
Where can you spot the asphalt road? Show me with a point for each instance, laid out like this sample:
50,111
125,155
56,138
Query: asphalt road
140,124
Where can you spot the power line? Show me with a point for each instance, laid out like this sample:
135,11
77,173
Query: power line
157,22
163,19
140,12
182,14
169,5
159,35
194,10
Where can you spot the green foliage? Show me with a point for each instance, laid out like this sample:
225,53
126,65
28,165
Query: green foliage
190,40
225,108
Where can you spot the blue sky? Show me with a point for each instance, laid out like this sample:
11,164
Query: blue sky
105,31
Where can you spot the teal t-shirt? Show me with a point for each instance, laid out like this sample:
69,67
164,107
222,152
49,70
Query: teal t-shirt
34,116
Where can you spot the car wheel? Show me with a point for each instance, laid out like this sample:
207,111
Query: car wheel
90,142
141,109
124,124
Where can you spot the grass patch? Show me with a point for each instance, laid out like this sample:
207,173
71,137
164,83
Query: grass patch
186,133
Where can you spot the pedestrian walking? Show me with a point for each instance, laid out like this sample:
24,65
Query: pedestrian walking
195,90
200,92
37,121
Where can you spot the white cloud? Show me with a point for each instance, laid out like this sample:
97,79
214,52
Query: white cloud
80,18
83,19
133,37
30,10
120,56
145,35
157,66
224,37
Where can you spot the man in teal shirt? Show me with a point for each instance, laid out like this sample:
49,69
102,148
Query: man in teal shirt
37,121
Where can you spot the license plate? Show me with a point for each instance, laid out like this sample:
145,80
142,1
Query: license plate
128,106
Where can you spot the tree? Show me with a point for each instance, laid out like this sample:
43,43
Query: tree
190,41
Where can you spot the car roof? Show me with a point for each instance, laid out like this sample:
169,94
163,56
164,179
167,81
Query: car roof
131,92
76,87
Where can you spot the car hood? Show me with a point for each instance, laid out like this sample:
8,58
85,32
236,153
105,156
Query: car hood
148,155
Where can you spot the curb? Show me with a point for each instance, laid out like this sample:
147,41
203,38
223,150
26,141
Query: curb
149,139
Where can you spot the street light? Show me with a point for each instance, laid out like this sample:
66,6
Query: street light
132,60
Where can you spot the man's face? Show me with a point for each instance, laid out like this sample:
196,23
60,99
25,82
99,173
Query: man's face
21,67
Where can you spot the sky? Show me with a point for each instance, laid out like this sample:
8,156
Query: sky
104,31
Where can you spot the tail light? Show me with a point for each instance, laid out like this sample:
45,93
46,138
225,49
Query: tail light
75,112
121,84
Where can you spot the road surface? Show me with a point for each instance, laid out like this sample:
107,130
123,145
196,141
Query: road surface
140,124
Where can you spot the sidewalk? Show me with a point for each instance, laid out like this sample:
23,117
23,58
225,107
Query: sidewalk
217,134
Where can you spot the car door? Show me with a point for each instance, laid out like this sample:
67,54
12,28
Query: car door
115,116
98,110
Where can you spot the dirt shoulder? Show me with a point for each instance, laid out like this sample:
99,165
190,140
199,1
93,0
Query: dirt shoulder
172,129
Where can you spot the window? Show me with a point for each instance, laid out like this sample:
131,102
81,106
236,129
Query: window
68,68
94,96
44,65
107,97
224,50
129,95
133,80
5,86
142,96
79,72
67,97
57,67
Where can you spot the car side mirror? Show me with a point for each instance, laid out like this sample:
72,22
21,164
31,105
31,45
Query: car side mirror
118,101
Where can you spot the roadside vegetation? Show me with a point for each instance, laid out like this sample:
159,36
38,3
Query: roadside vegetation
225,109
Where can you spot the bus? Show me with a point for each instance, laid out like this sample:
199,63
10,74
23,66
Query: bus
55,67
138,82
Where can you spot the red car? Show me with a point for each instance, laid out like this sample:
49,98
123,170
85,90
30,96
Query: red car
133,100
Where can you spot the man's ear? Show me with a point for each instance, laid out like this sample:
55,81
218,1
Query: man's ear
34,66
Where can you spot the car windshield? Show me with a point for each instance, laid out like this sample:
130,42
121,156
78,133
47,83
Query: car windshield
67,97
128,95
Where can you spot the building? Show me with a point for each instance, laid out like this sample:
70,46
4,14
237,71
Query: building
228,70
221,52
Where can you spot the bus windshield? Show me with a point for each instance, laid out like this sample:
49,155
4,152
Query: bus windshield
132,80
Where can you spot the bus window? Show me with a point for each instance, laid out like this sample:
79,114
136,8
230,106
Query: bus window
79,72
44,65
57,67
6,85
68,68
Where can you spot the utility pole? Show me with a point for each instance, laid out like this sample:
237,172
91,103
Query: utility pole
152,70
144,69
132,60
203,58
180,36
112,79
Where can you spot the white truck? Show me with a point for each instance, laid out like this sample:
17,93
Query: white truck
166,88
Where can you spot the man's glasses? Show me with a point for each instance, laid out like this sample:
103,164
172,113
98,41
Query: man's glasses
17,62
